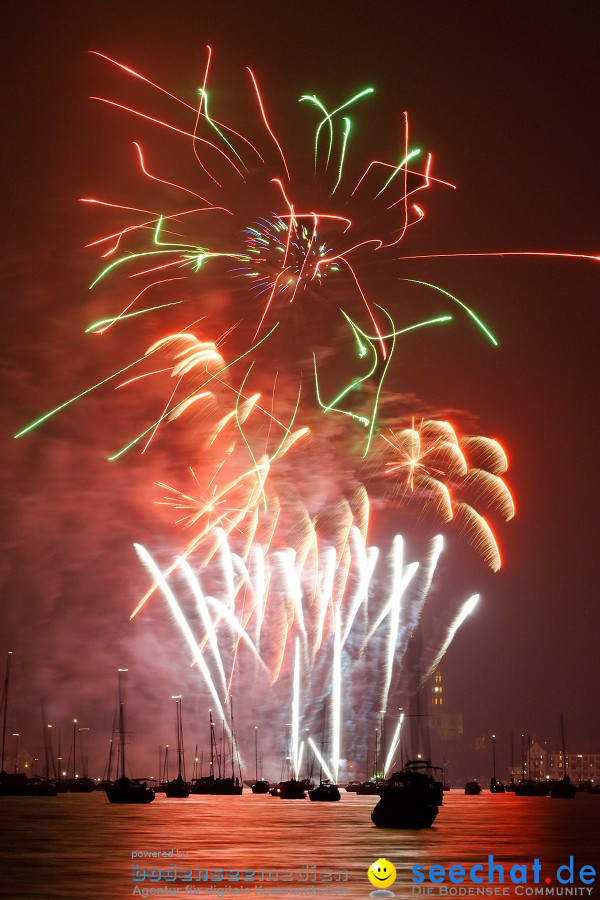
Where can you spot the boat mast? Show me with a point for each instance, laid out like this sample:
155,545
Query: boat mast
221,751
74,745
177,700
50,754
59,758
211,774
182,766
112,739
5,706
564,752
110,755
84,754
234,750
512,755
46,735
494,756
309,762
256,753
122,721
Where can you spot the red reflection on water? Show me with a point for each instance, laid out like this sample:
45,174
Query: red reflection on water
80,846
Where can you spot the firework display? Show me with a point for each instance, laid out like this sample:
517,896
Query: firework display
268,263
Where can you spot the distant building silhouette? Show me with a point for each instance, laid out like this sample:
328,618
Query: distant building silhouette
543,765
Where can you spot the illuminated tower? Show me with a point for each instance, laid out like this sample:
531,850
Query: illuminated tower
447,724
436,696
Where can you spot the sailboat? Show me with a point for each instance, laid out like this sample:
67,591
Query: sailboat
17,784
126,790
510,786
563,789
371,786
260,786
79,784
496,787
530,787
326,792
179,786
219,784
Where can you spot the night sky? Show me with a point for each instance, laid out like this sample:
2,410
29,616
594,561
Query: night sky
505,95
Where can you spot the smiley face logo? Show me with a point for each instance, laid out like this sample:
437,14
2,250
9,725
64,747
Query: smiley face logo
381,873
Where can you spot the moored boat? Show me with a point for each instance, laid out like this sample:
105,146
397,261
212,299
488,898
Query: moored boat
259,785
178,788
129,790
17,784
219,785
326,792
496,787
563,789
530,787
289,790
368,788
472,788
124,789
409,798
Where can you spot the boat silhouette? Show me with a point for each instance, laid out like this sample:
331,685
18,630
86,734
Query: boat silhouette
17,784
496,787
178,787
472,788
219,784
326,792
259,785
410,798
124,789
563,789
290,790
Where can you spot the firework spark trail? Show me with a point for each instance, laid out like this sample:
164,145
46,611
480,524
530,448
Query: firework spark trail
401,581
322,762
367,560
394,744
280,589
328,674
181,621
466,609
206,620
192,254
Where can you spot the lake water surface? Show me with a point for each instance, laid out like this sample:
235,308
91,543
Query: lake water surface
81,846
